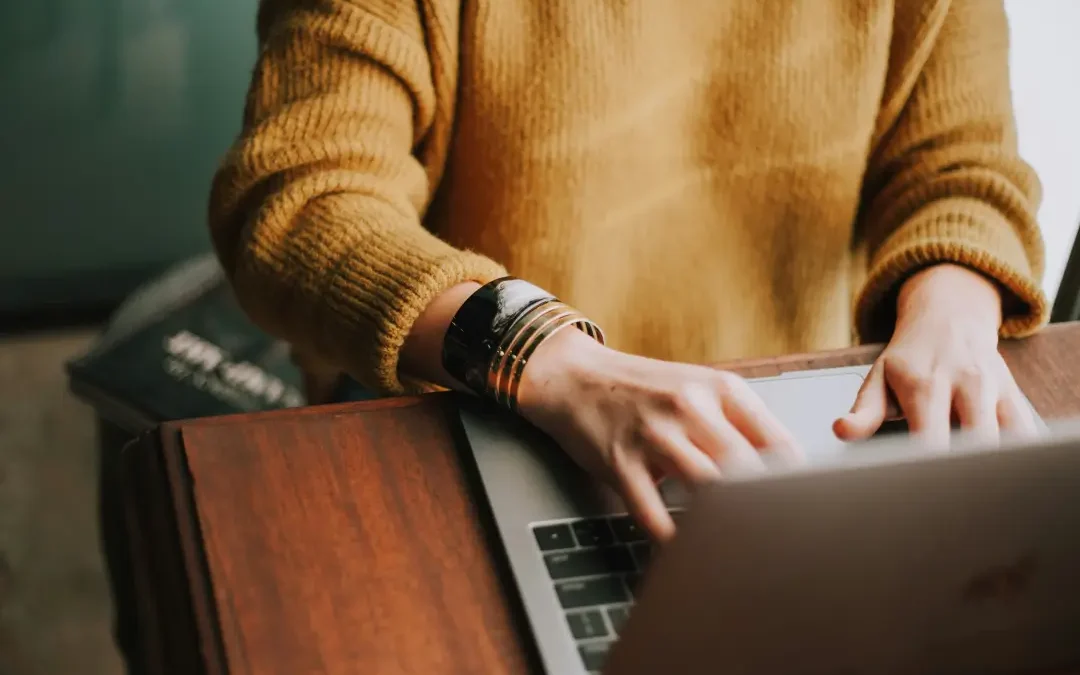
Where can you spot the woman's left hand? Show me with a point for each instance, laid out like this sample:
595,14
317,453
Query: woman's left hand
942,363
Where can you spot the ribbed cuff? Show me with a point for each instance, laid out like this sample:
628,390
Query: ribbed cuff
381,282
965,232
403,294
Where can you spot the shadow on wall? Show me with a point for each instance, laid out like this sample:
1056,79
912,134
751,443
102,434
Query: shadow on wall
117,112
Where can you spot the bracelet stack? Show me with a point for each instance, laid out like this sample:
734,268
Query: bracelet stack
498,329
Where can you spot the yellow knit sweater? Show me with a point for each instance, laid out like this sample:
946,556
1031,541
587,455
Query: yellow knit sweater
705,179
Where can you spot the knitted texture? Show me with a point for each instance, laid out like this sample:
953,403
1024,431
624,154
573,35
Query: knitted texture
708,181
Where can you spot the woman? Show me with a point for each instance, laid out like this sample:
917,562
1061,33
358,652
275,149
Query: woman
701,180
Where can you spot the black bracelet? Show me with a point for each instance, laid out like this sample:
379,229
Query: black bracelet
481,324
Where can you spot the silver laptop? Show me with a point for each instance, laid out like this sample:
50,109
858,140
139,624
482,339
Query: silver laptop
908,559
578,561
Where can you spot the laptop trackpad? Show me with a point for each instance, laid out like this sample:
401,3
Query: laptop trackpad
809,405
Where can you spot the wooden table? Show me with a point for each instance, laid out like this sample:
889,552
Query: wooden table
343,540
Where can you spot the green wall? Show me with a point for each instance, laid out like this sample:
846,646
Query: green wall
113,114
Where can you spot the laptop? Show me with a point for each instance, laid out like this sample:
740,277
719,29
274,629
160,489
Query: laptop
962,560
577,560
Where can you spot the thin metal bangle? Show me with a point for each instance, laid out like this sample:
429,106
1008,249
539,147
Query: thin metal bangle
507,352
538,331
578,321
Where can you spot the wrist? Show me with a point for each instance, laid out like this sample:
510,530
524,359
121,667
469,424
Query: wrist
568,356
950,292
499,331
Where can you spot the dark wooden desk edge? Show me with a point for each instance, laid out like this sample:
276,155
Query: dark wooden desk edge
166,547
162,593
198,575
160,456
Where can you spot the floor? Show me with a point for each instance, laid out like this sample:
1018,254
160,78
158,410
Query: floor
54,602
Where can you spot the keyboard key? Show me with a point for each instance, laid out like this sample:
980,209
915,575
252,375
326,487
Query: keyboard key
553,537
618,616
589,562
594,654
584,625
633,581
591,592
626,530
642,554
595,532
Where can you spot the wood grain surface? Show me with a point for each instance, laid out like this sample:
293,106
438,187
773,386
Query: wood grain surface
344,539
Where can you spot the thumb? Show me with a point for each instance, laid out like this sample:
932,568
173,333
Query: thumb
870,409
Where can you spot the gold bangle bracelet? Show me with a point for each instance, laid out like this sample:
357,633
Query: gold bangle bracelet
540,330
507,352
521,341
576,320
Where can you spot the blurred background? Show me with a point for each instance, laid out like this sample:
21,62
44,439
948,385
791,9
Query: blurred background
113,114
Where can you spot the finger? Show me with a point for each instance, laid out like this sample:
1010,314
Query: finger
870,409
644,502
734,454
683,457
709,430
975,401
771,443
739,456
749,415
1013,412
927,404
658,472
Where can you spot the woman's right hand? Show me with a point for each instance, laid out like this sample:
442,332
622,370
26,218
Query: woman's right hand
628,419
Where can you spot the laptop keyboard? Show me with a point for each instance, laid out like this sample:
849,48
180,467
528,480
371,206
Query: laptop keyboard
594,565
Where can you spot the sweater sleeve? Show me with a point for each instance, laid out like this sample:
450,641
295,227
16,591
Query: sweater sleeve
945,182
316,211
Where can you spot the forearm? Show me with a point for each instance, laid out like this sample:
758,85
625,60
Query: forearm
946,184
316,211
421,357
345,278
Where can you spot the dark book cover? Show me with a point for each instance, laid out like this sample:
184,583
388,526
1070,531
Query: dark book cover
180,348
